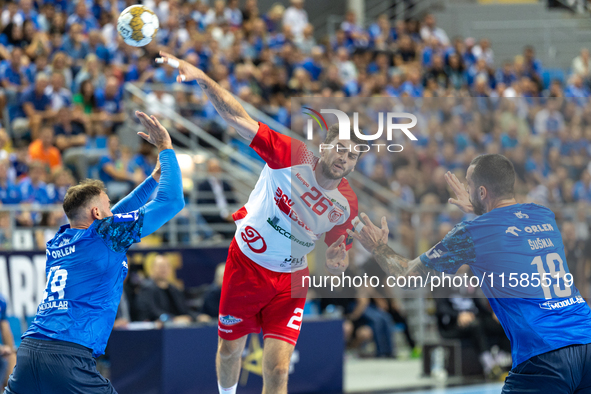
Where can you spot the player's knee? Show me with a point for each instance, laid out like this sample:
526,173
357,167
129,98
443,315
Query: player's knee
277,373
229,349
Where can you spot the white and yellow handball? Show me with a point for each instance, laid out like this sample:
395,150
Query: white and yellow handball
137,25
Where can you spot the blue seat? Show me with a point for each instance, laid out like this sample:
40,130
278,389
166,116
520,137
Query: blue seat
550,74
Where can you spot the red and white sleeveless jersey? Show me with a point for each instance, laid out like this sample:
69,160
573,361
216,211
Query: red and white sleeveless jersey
288,211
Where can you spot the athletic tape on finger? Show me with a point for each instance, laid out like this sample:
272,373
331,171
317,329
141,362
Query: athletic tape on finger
359,226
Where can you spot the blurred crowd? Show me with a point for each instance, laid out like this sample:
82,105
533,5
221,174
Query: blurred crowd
63,69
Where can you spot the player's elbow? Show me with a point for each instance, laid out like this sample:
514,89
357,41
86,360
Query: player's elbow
177,204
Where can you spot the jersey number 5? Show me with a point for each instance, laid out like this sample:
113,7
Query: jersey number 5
56,282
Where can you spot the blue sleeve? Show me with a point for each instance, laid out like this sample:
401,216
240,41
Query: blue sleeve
169,200
2,308
455,250
137,197
121,230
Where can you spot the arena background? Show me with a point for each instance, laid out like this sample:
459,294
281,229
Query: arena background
512,77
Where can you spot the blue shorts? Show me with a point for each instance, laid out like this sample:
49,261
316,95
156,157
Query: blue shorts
566,371
54,367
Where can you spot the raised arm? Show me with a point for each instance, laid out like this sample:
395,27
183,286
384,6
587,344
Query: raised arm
223,101
375,240
139,196
169,200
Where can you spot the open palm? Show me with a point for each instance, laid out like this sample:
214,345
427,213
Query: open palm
462,199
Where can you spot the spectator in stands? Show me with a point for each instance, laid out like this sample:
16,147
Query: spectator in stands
110,101
33,188
69,133
533,66
60,65
381,34
211,299
576,91
430,29
549,121
91,71
83,18
36,107
14,81
60,96
581,65
219,192
9,191
159,299
113,172
582,189
56,190
43,149
463,315
75,45
296,18
7,348
484,51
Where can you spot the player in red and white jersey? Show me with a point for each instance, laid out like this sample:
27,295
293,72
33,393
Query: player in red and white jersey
297,199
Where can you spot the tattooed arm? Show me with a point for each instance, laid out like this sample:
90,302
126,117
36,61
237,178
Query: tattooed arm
375,240
223,101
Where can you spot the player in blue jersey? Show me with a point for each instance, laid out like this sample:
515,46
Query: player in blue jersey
7,349
86,266
517,249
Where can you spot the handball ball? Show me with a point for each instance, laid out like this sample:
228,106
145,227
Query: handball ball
137,25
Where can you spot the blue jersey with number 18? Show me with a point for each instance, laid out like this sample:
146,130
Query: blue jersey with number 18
518,254
85,272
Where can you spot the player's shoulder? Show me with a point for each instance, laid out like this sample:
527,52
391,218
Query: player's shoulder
347,191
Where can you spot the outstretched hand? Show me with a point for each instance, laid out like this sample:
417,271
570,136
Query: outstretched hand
187,72
462,199
370,236
156,133
335,256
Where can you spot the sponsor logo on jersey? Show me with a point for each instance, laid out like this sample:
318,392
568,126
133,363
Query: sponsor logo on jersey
125,217
64,242
301,179
285,233
540,243
335,202
284,204
250,236
59,253
293,261
521,215
335,215
229,320
125,264
224,330
437,251
62,305
512,230
539,228
552,305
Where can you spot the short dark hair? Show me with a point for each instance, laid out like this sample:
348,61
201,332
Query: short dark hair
79,195
333,132
496,173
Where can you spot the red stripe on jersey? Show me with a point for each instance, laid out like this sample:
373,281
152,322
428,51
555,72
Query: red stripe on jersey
334,234
239,214
278,150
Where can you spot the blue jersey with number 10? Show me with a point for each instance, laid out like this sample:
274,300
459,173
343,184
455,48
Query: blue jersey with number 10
516,249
